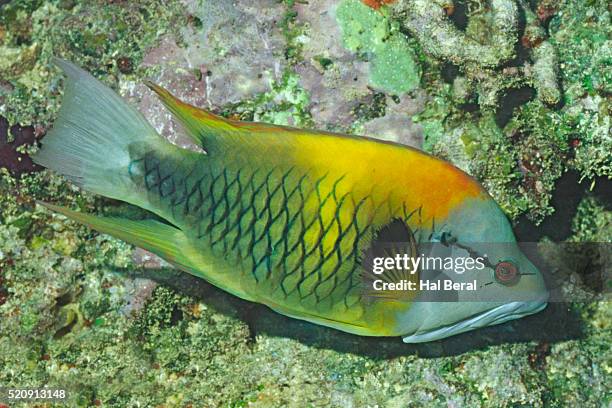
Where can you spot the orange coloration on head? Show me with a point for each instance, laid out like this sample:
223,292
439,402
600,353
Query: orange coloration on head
376,4
386,171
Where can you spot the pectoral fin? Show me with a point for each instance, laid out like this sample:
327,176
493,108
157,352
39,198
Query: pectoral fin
393,240
161,239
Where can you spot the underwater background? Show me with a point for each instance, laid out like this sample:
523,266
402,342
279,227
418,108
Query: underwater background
522,102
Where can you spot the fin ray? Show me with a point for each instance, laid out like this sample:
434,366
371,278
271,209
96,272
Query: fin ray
161,239
89,142
201,124
206,128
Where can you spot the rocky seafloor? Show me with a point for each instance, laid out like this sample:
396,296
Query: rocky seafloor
515,92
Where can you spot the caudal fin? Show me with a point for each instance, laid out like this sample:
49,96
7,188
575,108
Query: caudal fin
89,141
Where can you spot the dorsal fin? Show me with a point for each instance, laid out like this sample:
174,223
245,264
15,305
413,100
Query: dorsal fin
206,127
202,125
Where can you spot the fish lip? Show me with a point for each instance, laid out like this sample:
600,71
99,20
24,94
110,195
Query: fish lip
497,315
536,306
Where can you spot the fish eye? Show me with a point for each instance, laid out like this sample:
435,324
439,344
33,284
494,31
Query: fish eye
507,273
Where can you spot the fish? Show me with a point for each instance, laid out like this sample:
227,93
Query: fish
292,218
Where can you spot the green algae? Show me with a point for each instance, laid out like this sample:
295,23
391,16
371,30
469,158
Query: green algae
371,33
581,32
592,222
291,31
285,104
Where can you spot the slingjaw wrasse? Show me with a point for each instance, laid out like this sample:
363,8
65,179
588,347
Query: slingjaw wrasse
285,217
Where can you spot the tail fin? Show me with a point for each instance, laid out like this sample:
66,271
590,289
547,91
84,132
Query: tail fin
89,141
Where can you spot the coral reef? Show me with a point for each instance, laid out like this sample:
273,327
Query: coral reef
515,92
487,42
506,55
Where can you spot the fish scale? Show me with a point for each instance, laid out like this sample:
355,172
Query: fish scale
256,223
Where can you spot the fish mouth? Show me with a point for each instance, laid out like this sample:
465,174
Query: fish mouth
491,317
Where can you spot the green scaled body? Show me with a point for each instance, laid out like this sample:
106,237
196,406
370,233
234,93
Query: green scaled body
252,219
